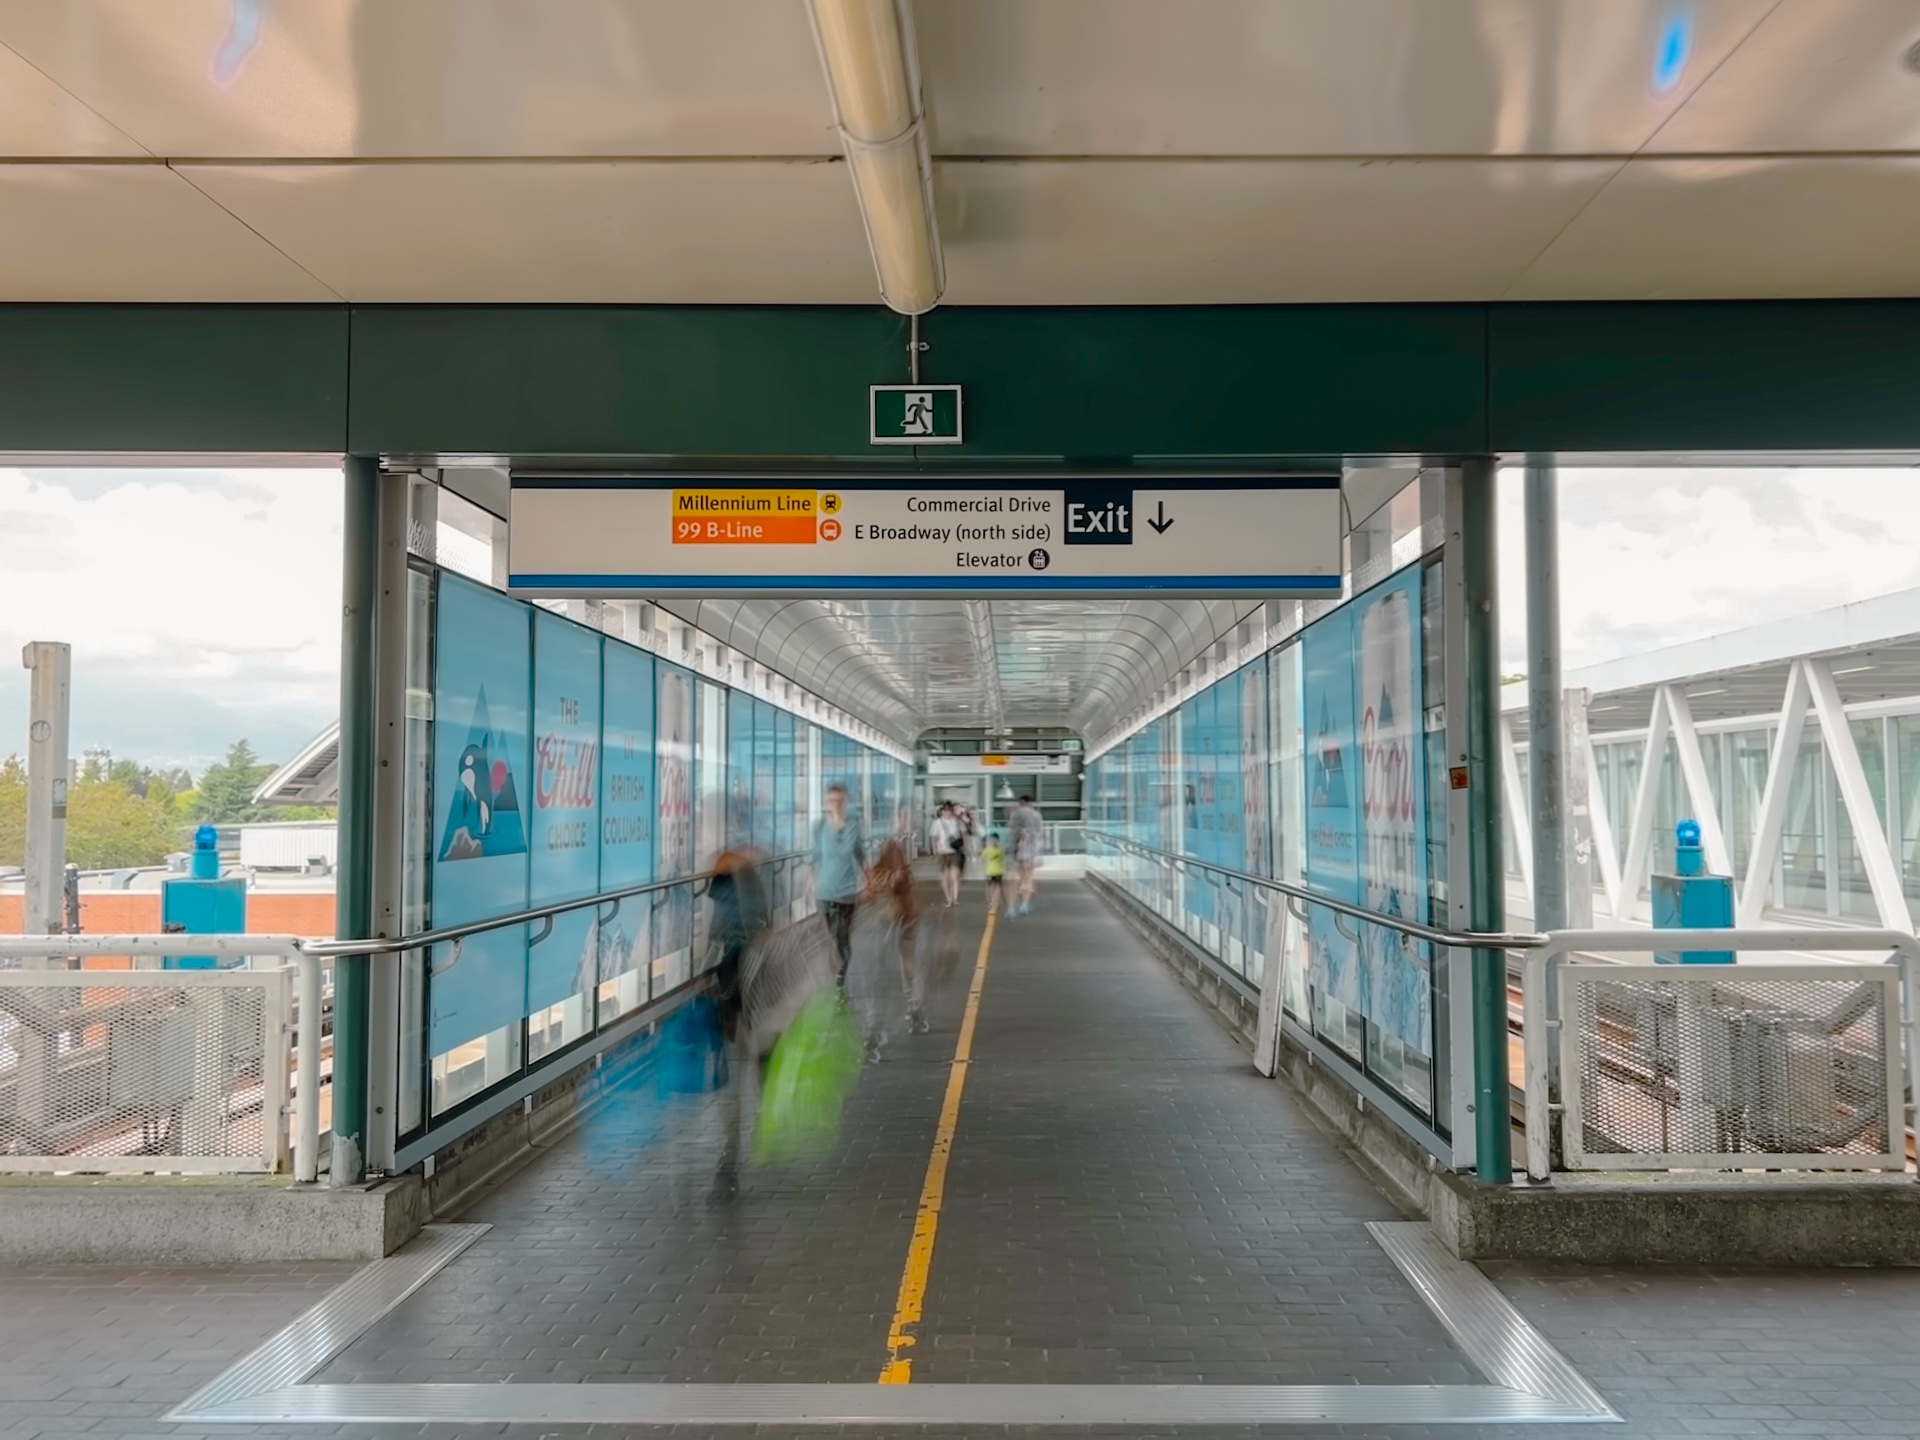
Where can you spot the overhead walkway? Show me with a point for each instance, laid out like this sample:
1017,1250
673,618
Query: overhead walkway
1126,1201
1134,1234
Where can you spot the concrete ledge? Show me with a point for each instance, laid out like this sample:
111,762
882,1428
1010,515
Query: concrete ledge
237,1220
178,1220
1664,1218
1669,1219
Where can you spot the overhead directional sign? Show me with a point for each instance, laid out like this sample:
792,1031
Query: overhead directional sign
1109,536
1017,763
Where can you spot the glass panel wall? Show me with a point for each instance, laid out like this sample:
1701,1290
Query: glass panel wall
1321,764
1906,733
1747,754
1804,866
547,762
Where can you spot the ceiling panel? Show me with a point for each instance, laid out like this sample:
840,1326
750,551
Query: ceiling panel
1315,77
590,231
337,78
1779,227
912,665
1185,232
1817,75
38,118
132,232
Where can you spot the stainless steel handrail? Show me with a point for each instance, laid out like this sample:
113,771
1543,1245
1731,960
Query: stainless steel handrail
311,955
333,949
1463,939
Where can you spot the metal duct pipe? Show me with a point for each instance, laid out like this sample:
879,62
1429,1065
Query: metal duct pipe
873,77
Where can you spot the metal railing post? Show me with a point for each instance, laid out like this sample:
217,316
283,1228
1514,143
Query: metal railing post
1909,952
306,1117
1538,1045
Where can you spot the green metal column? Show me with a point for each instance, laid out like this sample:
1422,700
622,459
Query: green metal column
353,898
1480,581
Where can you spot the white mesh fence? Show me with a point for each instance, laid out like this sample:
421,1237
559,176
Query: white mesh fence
144,1071
1732,1067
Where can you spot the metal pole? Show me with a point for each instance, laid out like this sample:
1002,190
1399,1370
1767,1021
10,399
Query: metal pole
1546,758
353,897
1478,562
389,820
49,699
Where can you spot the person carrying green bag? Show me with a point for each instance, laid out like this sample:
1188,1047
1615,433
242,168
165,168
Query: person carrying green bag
811,1073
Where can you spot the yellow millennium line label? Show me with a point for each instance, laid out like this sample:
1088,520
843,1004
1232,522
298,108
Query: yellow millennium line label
748,517
744,504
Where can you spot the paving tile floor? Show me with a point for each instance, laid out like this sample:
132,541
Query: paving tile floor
107,1349
1127,1202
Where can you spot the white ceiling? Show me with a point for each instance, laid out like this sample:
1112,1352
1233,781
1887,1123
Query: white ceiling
911,665
1087,151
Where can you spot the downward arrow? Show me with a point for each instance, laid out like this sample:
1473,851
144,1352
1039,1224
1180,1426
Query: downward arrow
1160,522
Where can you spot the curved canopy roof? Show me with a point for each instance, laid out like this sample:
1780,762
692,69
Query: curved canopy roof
913,665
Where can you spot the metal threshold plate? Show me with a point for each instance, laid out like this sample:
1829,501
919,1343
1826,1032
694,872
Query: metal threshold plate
1532,1382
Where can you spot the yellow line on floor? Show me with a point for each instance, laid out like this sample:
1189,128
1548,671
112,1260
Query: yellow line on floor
913,1280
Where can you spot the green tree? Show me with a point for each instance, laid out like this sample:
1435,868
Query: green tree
13,811
225,792
132,774
110,827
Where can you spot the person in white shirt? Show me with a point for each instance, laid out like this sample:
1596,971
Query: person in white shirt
949,843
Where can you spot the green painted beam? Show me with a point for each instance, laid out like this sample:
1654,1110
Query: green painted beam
1227,381
766,382
780,384
173,377
1724,375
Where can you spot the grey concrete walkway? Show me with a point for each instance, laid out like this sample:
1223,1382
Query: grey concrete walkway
1127,1202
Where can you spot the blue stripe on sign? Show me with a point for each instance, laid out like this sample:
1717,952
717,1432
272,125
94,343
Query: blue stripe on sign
927,482
1234,583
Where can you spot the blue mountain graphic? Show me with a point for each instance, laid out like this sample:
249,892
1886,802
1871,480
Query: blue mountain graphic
483,812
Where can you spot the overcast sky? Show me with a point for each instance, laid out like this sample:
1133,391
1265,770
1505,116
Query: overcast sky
204,606
1654,557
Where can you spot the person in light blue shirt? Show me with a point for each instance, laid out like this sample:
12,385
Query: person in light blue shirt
839,874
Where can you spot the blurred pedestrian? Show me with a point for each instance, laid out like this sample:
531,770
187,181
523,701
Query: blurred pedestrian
739,918
839,874
949,840
893,888
1024,829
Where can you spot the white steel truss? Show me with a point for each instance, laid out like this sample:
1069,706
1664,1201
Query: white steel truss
1811,689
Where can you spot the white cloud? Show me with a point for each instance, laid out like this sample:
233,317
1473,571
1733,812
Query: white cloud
1654,557
202,605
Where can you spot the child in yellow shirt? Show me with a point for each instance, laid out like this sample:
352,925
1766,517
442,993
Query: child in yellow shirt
995,857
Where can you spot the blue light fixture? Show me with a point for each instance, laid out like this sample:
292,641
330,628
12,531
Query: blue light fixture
1672,52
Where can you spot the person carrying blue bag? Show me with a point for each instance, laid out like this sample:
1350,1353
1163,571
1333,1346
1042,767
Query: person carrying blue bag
738,920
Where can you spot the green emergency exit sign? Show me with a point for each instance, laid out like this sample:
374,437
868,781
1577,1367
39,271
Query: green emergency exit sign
913,414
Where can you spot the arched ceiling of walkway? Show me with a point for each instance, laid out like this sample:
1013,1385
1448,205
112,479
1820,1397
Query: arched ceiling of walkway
909,665
1086,151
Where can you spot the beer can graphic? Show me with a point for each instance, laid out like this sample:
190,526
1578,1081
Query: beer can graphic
1392,839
